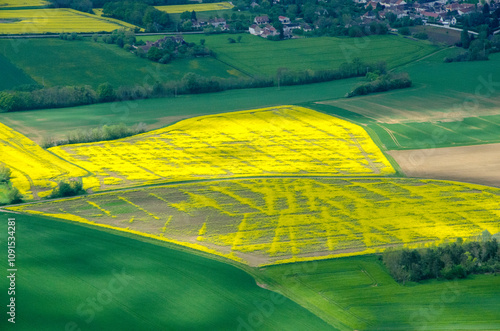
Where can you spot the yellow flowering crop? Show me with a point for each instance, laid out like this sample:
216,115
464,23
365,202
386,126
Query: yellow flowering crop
276,220
35,172
22,3
285,140
55,20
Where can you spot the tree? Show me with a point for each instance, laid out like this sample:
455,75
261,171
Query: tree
154,54
486,10
105,92
193,16
202,42
186,15
5,174
239,39
465,38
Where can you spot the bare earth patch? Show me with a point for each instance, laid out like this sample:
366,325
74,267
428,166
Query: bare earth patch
474,164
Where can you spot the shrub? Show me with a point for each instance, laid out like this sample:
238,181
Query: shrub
68,189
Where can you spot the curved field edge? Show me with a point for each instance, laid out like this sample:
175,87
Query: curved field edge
164,287
266,221
284,140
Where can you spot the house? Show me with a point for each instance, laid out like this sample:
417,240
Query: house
254,4
371,5
255,30
218,22
306,28
430,14
284,20
288,28
264,19
159,42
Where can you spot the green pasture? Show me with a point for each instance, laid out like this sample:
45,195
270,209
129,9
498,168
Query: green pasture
11,75
55,62
358,293
66,280
258,56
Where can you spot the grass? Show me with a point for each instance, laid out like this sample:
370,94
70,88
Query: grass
109,64
441,110
199,7
62,265
257,56
38,21
280,220
12,76
282,140
358,293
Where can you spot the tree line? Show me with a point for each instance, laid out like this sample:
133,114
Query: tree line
448,261
69,96
381,83
138,13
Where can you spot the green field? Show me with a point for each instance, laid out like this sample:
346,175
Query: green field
58,63
257,56
358,293
12,76
61,266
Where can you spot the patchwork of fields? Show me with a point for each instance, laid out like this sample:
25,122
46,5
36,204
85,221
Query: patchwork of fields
283,140
36,21
276,220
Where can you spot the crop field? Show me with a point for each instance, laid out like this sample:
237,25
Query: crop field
22,3
36,21
109,64
35,172
12,76
357,293
472,164
439,35
284,140
276,220
257,56
200,7
153,287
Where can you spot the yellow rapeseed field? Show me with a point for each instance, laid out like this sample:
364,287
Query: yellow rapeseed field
35,172
283,141
22,3
174,9
35,21
276,220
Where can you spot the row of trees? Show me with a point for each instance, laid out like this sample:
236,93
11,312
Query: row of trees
381,83
68,188
103,133
59,97
10,193
449,261
138,13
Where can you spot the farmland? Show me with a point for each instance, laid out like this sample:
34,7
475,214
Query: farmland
258,56
276,220
156,287
283,140
438,35
109,64
198,7
22,3
452,163
12,76
358,293
35,172
35,21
